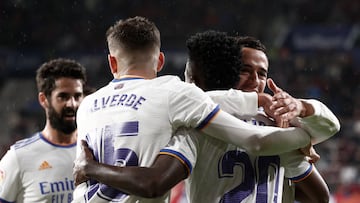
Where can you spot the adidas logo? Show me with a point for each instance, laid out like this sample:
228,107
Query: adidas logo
44,165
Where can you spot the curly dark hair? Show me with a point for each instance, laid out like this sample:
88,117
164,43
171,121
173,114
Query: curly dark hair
134,34
50,71
217,57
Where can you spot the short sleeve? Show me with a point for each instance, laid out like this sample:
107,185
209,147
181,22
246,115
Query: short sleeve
189,106
297,167
183,146
236,102
10,177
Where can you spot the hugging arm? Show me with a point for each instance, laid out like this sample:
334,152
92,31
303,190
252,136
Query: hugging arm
257,140
147,182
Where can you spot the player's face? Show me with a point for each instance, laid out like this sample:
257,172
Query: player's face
253,75
63,105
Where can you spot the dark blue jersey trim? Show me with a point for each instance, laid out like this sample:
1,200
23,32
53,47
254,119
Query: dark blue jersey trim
208,118
304,175
129,78
56,145
4,201
180,156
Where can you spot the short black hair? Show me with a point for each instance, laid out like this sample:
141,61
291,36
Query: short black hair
217,57
251,42
49,72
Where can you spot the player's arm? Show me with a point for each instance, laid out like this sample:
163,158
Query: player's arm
147,182
312,189
309,185
321,124
195,109
257,140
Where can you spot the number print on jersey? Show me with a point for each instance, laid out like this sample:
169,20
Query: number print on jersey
118,157
241,159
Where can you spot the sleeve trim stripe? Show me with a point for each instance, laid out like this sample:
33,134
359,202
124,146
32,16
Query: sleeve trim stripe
4,201
179,157
207,120
304,175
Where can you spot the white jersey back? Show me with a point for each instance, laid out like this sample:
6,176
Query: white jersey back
225,173
35,170
127,122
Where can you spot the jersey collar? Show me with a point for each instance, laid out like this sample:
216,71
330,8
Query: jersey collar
128,77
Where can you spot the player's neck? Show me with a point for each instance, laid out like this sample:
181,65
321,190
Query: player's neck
59,138
141,65
136,72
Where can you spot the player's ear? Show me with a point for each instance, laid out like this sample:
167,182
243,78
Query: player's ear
161,62
112,63
43,100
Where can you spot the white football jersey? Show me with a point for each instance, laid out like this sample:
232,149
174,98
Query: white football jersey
35,170
127,122
222,172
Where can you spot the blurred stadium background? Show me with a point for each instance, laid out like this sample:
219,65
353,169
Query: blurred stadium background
313,49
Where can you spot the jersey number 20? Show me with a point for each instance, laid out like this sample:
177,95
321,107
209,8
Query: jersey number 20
239,158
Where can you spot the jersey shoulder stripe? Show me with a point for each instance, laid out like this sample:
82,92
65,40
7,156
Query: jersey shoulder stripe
24,142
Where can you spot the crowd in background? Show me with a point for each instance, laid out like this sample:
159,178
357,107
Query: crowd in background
33,31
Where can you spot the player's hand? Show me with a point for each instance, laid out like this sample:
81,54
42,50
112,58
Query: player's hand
311,153
282,123
81,162
285,106
266,101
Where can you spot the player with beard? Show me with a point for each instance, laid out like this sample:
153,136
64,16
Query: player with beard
39,168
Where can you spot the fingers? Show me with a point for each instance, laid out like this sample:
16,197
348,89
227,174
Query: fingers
80,163
79,179
84,143
76,174
284,123
314,156
281,99
306,150
311,153
286,106
272,86
281,95
286,110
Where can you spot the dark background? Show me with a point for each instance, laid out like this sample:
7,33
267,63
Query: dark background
313,49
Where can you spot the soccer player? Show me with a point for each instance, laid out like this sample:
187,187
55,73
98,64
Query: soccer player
253,78
39,168
129,120
156,180
262,175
